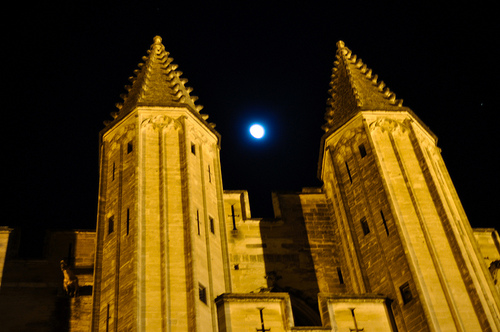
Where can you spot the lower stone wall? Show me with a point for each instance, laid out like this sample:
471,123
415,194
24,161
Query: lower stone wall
32,297
349,312
248,312
340,312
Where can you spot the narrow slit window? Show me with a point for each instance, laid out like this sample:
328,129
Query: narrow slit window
128,221
384,222
107,318
202,293
193,149
198,221
348,171
113,171
212,225
111,225
362,150
364,226
209,175
406,293
341,278
233,217
130,147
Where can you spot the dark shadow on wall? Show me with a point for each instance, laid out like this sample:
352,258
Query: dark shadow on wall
31,293
288,262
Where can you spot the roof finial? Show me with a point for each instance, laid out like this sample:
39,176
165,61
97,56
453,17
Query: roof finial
157,39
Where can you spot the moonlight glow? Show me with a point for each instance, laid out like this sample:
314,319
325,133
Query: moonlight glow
257,131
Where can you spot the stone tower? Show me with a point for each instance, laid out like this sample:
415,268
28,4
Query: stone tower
161,249
402,229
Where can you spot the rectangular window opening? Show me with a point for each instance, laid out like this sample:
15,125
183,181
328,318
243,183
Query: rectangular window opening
406,293
209,175
212,225
202,293
193,149
362,150
130,147
113,172
348,171
364,226
111,224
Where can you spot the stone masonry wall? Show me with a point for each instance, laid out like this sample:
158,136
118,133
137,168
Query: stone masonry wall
365,225
32,296
293,253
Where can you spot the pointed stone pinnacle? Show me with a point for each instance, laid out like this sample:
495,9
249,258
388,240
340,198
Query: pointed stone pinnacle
157,82
355,88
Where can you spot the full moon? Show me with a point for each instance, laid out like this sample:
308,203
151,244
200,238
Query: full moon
257,131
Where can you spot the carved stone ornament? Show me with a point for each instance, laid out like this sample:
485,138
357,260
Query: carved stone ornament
348,139
389,125
197,136
162,122
123,132
70,282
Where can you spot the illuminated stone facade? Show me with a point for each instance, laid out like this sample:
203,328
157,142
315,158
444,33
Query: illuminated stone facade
384,245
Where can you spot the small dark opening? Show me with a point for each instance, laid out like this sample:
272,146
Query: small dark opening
234,218
202,292
362,150
111,225
406,293
212,225
107,319
348,171
198,221
364,225
384,222
130,147
128,221
341,278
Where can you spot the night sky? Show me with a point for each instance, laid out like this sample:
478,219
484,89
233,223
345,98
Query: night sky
66,66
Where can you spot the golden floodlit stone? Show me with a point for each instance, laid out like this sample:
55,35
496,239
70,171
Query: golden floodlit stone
383,245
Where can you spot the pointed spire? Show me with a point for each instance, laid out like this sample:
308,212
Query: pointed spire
354,88
157,82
